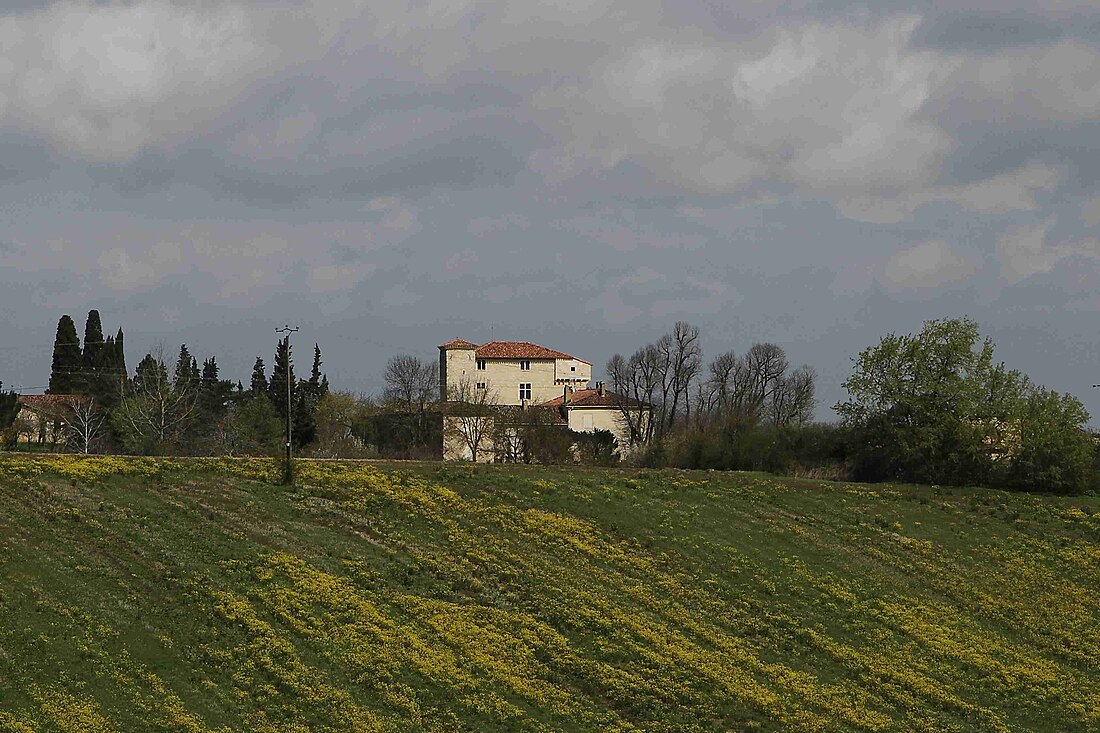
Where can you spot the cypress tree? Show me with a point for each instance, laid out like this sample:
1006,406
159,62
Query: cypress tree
209,372
309,396
215,396
120,356
259,378
65,370
304,419
103,380
276,388
93,341
315,374
186,374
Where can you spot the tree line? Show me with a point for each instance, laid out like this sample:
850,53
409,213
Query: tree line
188,409
929,407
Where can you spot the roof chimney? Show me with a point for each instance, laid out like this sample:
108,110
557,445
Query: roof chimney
600,389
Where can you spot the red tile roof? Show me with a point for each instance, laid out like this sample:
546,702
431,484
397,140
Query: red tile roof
47,401
520,350
593,398
458,344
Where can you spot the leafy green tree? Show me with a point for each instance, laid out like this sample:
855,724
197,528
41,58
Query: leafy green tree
67,360
253,427
337,415
596,448
934,407
1055,452
916,401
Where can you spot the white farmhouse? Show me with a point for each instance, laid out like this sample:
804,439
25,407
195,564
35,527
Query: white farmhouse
520,374
513,372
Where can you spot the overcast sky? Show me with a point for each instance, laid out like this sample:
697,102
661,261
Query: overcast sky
391,175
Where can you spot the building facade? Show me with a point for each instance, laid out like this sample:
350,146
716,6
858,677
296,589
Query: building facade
587,410
510,372
42,418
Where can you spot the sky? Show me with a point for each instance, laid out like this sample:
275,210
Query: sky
582,174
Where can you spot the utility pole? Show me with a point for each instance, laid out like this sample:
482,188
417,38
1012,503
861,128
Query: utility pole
288,475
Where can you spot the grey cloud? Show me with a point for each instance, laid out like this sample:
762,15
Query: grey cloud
969,32
926,265
811,173
1032,249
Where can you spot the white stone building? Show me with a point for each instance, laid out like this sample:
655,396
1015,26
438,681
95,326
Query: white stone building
512,372
520,373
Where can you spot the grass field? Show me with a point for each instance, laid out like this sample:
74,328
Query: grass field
142,595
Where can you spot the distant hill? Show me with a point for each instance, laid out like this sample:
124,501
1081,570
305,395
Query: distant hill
144,595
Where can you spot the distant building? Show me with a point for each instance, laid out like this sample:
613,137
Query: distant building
587,410
42,418
527,375
513,372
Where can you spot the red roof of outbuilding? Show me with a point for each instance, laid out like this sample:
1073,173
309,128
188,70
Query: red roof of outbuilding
45,401
521,350
593,398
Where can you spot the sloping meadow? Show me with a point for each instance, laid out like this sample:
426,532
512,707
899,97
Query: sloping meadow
144,595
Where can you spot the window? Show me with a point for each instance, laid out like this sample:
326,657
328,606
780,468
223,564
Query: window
525,365
525,391
572,368
481,364
481,385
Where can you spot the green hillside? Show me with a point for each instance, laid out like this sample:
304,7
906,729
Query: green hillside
138,595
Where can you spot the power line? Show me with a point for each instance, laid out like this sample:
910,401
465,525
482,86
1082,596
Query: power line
64,343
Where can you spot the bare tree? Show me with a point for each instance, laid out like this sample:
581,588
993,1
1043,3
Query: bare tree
713,396
411,382
658,377
412,385
158,411
763,366
636,382
793,401
83,424
509,434
468,417
685,359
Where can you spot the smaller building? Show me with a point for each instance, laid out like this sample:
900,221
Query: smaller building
588,410
42,418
